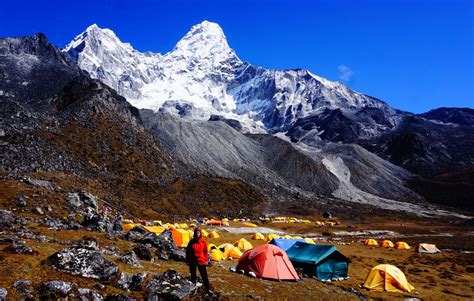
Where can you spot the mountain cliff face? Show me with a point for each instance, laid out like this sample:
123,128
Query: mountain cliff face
57,122
202,76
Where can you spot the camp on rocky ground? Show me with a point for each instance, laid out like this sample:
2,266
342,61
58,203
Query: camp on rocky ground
182,171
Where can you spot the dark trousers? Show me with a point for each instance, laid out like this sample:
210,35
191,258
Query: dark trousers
202,271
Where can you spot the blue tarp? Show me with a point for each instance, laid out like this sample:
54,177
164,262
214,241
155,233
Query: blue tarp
321,261
285,244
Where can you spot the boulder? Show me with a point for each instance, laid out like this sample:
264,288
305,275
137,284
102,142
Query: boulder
131,259
165,247
21,201
129,282
6,218
143,252
54,290
84,259
169,285
124,281
20,248
118,297
137,281
82,200
87,294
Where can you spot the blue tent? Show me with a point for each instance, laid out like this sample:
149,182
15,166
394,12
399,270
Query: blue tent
322,262
285,244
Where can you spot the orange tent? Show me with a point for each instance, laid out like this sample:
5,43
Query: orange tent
181,237
387,244
128,227
401,245
268,261
371,242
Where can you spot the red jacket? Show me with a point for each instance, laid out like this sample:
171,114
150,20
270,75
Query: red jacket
196,251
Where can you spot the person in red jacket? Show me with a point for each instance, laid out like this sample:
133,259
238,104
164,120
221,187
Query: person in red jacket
197,256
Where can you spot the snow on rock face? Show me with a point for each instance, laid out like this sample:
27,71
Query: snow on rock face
202,76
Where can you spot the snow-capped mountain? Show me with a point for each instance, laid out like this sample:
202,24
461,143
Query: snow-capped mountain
203,76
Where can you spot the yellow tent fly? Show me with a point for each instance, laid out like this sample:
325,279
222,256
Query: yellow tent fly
213,234
258,236
386,277
243,244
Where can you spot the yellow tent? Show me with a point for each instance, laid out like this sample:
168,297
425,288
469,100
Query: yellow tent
213,234
183,226
309,240
204,233
286,236
251,225
128,227
270,237
428,248
243,244
387,277
371,242
157,222
401,245
258,236
211,246
297,237
229,251
154,229
225,220
181,237
191,233
387,244
216,254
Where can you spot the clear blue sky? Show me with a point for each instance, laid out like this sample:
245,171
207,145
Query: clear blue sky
416,55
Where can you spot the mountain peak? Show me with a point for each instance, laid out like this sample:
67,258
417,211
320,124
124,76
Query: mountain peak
203,39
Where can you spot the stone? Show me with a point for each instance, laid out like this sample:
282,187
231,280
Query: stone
85,260
118,297
169,285
21,201
124,281
21,283
6,218
137,281
20,248
165,247
56,289
87,294
39,210
143,252
82,199
131,259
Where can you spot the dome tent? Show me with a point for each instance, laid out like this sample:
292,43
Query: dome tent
386,277
269,262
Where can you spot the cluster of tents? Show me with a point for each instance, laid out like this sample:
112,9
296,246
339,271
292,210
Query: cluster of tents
281,259
401,245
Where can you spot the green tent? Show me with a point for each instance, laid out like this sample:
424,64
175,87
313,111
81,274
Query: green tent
322,262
